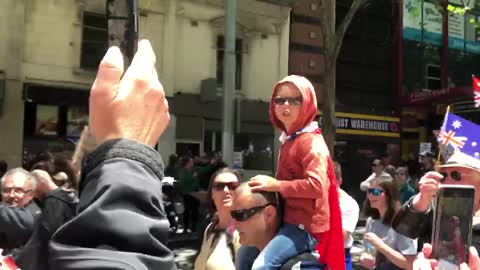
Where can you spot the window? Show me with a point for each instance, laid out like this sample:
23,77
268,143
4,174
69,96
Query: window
77,119
256,149
432,78
238,61
94,40
46,120
421,67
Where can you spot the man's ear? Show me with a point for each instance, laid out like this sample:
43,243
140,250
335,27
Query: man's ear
270,212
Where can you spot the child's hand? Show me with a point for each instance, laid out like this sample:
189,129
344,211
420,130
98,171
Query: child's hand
264,183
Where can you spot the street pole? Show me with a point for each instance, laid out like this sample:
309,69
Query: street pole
229,81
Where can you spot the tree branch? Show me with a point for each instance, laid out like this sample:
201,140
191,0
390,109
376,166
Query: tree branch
342,28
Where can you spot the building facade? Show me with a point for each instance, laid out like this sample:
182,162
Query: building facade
439,51
50,51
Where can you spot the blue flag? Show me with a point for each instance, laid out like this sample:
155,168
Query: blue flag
461,135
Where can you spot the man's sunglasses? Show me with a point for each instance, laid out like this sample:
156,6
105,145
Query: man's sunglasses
455,175
290,100
375,191
221,186
245,214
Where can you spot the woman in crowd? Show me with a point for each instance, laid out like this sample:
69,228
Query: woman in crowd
385,249
220,240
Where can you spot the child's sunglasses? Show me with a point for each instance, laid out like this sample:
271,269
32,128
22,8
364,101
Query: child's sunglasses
291,100
375,191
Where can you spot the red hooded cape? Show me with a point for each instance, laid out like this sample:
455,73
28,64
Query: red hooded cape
307,178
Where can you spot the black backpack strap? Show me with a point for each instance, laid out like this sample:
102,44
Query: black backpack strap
310,261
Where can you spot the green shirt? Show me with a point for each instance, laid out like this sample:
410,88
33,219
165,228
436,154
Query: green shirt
406,192
187,182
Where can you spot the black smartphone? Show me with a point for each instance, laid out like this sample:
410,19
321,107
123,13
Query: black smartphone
122,18
452,225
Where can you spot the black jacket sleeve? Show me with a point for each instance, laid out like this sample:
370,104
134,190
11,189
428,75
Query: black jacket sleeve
121,222
413,224
16,226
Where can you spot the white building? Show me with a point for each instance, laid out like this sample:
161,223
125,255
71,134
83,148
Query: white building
50,50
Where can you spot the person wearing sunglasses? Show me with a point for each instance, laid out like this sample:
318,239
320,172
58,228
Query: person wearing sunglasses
415,217
305,179
220,240
404,183
378,168
391,250
258,218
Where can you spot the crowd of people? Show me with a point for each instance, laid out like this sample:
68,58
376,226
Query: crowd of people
103,209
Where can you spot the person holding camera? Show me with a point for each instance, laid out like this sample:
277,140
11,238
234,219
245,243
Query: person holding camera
414,219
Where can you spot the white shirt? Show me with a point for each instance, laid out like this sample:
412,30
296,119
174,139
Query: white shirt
350,212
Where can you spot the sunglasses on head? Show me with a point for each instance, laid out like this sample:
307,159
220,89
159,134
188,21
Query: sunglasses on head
245,214
455,175
290,100
221,186
375,191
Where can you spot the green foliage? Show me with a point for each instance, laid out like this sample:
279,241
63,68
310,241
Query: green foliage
458,10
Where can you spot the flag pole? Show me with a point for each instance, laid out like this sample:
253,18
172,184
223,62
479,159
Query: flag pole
440,145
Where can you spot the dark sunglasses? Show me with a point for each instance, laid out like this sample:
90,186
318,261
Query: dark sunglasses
245,214
455,175
375,191
221,186
290,100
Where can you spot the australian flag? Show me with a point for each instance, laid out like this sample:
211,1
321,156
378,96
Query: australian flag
461,135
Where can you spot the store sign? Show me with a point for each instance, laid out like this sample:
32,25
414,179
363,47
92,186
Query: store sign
428,96
369,125
432,23
423,22
425,147
412,20
456,31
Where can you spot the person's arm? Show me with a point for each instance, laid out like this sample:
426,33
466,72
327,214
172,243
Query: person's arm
16,225
350,213
312,154
59,207
121,222
396,257
410,223
366,184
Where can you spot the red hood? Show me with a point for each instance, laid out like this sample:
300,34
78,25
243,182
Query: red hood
308,110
